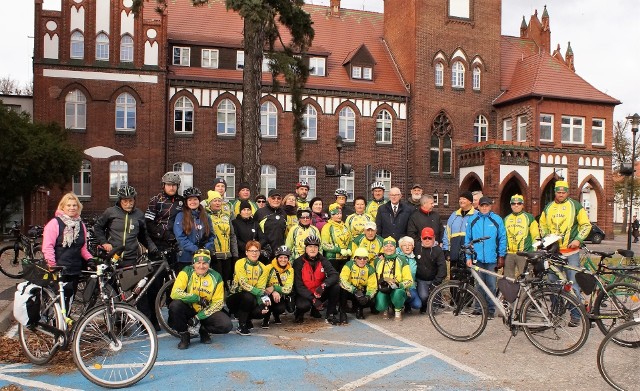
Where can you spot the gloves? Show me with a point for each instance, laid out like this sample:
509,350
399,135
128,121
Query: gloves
91,264
265,254
447,254
393,285
319,291
345,252
266,300
201,315
500,263
363,300
318,304
204,303
155,255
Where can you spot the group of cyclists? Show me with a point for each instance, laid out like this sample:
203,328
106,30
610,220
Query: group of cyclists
257,258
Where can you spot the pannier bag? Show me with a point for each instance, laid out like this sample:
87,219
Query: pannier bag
36,271
26,303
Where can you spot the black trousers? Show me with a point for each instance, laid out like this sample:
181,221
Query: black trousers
330,295
244,306
70,288
346,296
180,313
275,308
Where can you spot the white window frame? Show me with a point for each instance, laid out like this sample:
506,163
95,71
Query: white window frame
356,72
521,131
227,171
573,129
481,129
384,127
183,54
210,58
185,171
348,182
310,118
460,9
476,78
507,129
226,118
597,128
82,180
268,120
268,178
544,124
126,109
439,74
118,176
384,176
317,66
77,46
102,47
184,106
308,174
444,139
347,124
445,199
457,75
367,73
240,59
126,48
75,107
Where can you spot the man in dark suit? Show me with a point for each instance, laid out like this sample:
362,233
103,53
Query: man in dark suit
393,217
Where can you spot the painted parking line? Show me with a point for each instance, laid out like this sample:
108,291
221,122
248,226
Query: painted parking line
314,356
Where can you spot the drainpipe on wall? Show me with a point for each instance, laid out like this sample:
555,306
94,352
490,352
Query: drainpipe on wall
406,150
536,130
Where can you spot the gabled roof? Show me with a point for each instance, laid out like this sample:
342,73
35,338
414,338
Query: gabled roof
541,75
362,54
335,36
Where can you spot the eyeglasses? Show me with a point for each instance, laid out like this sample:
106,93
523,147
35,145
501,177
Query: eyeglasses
275,197
360,258
516,203
305,217
427,238
253,251
261,201
202,251
395,195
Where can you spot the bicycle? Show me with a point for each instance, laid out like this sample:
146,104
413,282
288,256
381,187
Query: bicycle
113,344
25,246
611,274
552,320
616,361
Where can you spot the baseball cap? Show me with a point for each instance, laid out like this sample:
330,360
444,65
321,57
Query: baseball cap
427,232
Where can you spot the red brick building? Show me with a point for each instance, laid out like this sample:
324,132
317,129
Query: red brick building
428,92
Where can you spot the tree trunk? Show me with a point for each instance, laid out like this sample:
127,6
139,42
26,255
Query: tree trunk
251,94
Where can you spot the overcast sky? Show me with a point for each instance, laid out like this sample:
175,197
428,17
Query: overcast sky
604,36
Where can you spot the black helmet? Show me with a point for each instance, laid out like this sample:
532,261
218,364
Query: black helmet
171,178
127,191
283,250
312,240
192,192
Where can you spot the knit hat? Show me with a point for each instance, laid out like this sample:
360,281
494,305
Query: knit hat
243,185
517,198
212,195
389,239
467,195
202,255
334,209
219,180
244,204
561,185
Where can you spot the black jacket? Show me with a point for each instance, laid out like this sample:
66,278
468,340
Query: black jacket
430,264
420,219
160,216
246,230
118,228
273,223
317,272
388,225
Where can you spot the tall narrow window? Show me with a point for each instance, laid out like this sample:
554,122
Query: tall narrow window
82,180
457,75
75,107
446,155
185,170
308,174
77,45
102,47
240,59
476,78
183,116
125,112
383,127
118,176
507,129
226,118
597,131
546,127
268,120
480,129
347,124
227,172
439,75
126,48
310,118
268,176
347,182
522,128
440,150
384,176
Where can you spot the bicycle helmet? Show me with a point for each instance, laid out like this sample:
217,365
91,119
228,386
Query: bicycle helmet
312,240
377,185
127,192
171,178
283,250
192,192
299,212
340,192
302,184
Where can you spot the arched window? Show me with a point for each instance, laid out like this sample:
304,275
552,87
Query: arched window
268,120
310,118
185,170
384,176
476,78
126,48
226,118
102,47
267,179
308,174
125,112
480,129
347,124
347,182
439,69
75,108
457,75
118,176
227,172
383,127
440,152
82,180
183,116
77,45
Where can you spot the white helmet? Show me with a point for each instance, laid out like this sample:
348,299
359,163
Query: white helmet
377,185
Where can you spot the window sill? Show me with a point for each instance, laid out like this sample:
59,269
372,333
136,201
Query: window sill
183,134
78,130
599,146
269,138
457,88
226,136
384,144
126,132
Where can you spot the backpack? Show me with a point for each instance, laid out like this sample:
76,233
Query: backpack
26,303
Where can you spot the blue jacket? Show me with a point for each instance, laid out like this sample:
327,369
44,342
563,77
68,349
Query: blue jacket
455,232
491,225
189,244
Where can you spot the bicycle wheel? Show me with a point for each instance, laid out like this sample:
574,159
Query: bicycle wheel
115,348
451,311
617,302
11,262
38,342
162,312
615,361
558,323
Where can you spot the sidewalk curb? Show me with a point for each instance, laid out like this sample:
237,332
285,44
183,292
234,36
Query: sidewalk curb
6,317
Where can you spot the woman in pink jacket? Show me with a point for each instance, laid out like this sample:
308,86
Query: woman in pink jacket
64,243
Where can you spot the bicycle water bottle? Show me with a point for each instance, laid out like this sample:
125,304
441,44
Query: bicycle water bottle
140,285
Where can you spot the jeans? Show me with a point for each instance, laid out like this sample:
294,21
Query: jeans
491,284
423,290
573,260
414,301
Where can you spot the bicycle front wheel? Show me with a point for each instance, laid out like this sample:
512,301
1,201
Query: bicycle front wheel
557,323
11,262
38,342
616,303
615,361
115,348
162,312
452,311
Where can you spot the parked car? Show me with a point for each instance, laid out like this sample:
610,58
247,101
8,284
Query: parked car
596,235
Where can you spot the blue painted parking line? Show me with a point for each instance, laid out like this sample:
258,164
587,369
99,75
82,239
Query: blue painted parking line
312,356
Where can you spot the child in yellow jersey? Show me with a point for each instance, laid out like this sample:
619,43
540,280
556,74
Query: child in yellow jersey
359,284
279,286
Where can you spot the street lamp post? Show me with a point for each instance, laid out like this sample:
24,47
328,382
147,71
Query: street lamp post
635,121
341,169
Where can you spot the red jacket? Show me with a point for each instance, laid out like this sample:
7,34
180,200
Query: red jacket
309,275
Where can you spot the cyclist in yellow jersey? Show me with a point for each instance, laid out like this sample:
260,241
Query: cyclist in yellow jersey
370,241
225,242
359,284
302,191
377,190
220,185
394,276
279,285
290,209
244,194
297,234
336,239
522,229
357,220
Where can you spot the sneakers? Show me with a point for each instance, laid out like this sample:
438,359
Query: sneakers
299,318
185,340
265,323
243,331
574,322
398,315
475,313
315,313
276,319
359,313
491,316
249,324
385,314
343,318
332,320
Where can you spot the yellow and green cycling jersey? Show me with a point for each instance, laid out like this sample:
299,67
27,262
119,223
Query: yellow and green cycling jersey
189,287
284,284
522,230
396,268
296,237
372,208
222,228
249,276
302,204
373,246
356,222
353,277
236,207
567,219
292,221
335,238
